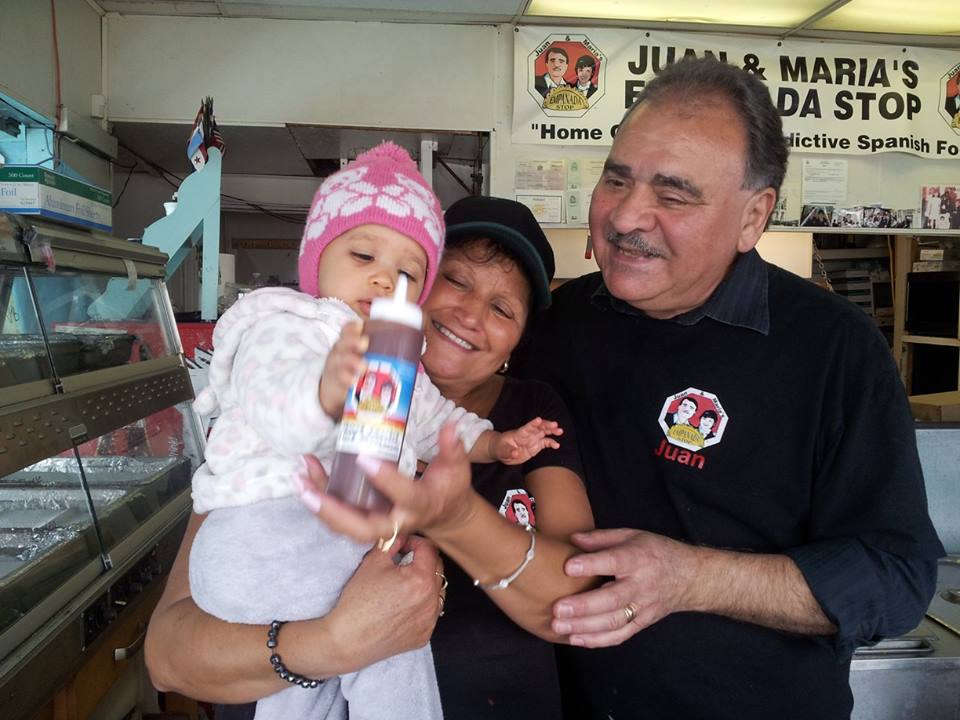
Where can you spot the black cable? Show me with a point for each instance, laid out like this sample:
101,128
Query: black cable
260,208
125,183
20,112
164,172
36,164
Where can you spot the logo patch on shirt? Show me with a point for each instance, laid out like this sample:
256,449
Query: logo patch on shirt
518,507
693,420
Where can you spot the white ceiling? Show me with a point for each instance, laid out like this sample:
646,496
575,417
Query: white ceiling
433,11
919,22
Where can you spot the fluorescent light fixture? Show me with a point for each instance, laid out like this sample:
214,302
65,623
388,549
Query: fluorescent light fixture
773,13
918,17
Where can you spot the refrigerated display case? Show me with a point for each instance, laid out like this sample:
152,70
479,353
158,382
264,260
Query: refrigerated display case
97,446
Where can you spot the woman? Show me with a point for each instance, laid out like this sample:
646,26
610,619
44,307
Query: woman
495,272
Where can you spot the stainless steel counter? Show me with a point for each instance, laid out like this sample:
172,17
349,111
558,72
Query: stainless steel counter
917,676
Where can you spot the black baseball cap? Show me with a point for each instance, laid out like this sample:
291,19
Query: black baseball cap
513,226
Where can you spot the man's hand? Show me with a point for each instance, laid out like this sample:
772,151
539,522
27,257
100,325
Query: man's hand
343,367
654,576
515,447
651,577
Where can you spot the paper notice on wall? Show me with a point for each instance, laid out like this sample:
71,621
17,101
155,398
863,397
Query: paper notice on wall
540,174
584,173
546,207
576,213
590,172
824,182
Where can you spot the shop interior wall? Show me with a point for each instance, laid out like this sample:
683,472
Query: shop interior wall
271,72
445,77
27,70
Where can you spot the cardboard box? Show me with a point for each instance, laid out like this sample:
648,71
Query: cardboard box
939,253
38,191
936,407
936,265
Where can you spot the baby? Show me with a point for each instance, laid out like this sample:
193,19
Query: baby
279,376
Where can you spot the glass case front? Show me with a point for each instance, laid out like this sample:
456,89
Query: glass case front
98,440
149,461
23,349
46,535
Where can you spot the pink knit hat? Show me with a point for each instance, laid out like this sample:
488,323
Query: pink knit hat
381,187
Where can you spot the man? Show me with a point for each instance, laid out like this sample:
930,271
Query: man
685,410
585,67
932,207
521,513
745,573
557,63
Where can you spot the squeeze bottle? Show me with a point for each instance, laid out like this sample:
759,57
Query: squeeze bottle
378,403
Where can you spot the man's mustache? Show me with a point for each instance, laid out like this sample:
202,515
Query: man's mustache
633,242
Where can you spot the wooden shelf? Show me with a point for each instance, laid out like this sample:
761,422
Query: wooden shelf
854,253
919,232
931,340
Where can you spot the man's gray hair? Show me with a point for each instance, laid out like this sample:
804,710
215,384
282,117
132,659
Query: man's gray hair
693,78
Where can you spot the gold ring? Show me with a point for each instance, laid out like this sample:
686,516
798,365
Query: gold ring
442,577
630,611
385,545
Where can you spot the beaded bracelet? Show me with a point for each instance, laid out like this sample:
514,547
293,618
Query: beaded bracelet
278,667
504,583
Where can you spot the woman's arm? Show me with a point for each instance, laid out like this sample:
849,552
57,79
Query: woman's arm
490,547
384,609
444,505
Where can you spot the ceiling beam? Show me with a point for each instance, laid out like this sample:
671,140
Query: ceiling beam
96,8
829,9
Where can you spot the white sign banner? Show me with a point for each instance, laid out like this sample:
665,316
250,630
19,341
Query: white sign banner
572,87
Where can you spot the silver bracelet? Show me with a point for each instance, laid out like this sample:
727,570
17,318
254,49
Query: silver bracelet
505,582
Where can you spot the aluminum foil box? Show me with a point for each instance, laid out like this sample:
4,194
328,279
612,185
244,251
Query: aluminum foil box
38,191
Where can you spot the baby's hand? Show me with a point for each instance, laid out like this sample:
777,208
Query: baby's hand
517,446
344,364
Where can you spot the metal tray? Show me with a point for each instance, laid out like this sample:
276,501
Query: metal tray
115,471
945,606
102,348
21,547
23,358
126,492
24,508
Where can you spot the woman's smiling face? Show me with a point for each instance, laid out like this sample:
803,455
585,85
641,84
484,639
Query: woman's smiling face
474,315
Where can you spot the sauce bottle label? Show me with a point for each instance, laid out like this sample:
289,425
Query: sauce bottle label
377,406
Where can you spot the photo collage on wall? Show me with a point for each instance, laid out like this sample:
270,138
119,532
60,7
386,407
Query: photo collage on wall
940,207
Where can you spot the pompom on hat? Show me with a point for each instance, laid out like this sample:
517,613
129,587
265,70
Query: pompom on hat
381,187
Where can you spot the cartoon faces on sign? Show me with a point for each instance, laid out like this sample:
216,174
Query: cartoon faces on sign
950,94
518,507
565,75
693,419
